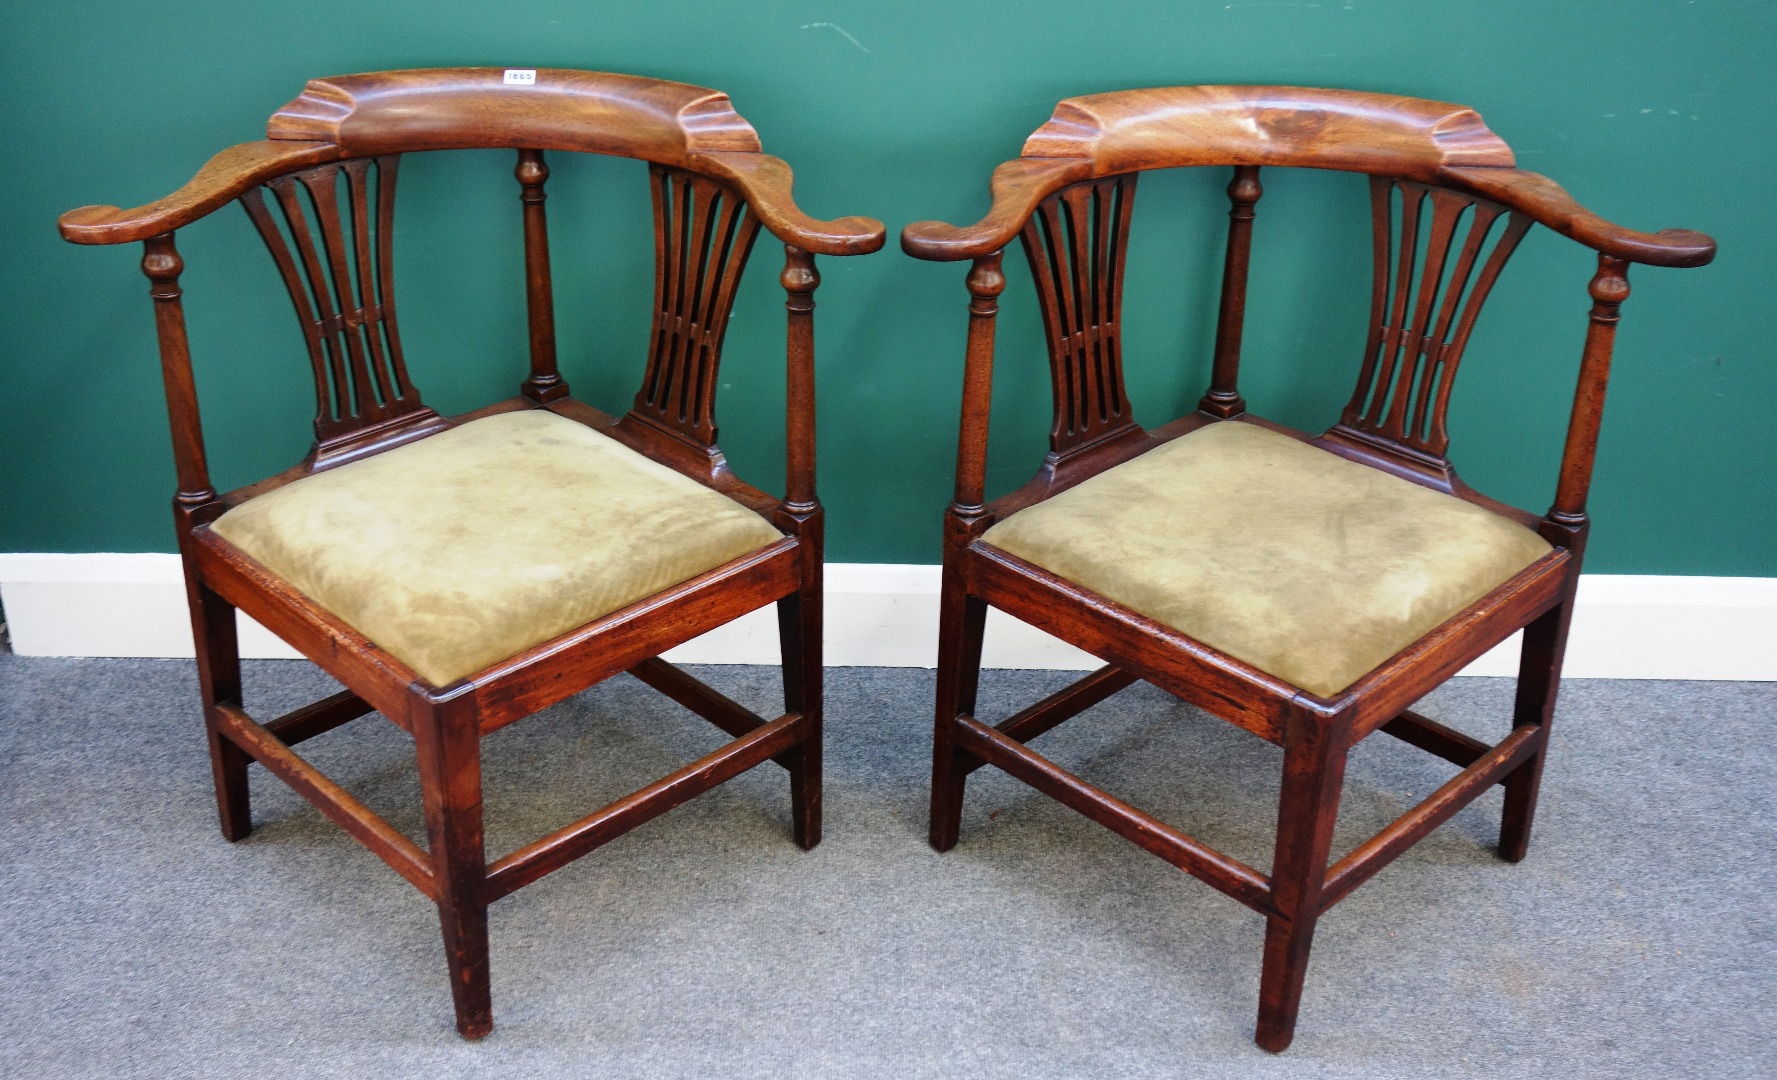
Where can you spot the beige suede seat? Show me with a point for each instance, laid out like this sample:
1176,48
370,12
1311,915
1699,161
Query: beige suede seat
1307,566
474,544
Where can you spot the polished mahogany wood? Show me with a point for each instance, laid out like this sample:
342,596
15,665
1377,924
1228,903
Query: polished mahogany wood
1434,738
1448,206
701,698
545,381
318,718
703,234
563,846
395,112
1460,790
1076,243
1403,392
1223,399
338,804
1061,706
354,346
321,191
1382,134
1223,871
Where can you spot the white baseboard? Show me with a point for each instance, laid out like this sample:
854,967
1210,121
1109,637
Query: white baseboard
886,615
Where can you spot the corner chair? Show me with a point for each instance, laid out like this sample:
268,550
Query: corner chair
1309,588
458,573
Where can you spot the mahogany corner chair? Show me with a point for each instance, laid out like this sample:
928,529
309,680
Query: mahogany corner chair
1307,588
459,573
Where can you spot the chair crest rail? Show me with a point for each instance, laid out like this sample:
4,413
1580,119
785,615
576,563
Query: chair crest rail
1428,142
392,112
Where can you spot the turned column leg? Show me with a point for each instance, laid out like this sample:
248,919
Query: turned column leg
447,739
1313,773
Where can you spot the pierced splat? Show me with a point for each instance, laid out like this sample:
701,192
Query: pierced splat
1076,241
702,236
1403,391
343,290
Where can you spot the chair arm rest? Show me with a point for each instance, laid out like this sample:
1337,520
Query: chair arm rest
765,183
222,178
1017,186
1545,201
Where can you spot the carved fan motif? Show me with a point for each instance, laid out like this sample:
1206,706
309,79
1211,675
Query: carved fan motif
341,281
1076,243
1410,361
703,234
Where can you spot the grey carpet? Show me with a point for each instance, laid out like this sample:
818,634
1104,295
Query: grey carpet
1636,939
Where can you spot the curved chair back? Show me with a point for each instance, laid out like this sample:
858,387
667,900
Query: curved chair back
1448,207
320,189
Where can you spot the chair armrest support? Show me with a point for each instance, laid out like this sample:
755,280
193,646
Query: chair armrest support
986,282
162,265
765,181
1017,186
800,279
223,178
1549,204
1609,288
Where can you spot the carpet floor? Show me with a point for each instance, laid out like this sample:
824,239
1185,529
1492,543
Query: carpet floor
1636,940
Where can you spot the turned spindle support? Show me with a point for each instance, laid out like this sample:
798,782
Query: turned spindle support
1223,399
545,381
800,279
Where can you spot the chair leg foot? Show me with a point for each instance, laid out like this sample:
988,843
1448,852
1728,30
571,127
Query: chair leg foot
228,765
1280,984
962,623
1307,808
219,680
805,787
465,950
1539,681
799,636
447,741
948,780
1520,808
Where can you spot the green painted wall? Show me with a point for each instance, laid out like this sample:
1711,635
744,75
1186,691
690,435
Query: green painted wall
1655,112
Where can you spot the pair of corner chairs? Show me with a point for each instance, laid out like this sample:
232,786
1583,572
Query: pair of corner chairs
457,574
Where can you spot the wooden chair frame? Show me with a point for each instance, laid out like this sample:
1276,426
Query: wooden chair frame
1067,197
709,176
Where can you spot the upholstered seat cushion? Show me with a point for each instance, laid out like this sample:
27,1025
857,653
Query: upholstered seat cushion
1307,566
474,544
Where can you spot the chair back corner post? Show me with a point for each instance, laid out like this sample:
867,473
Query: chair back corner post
1566,522
544,383
1223,398
800,279
162,266
986,281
